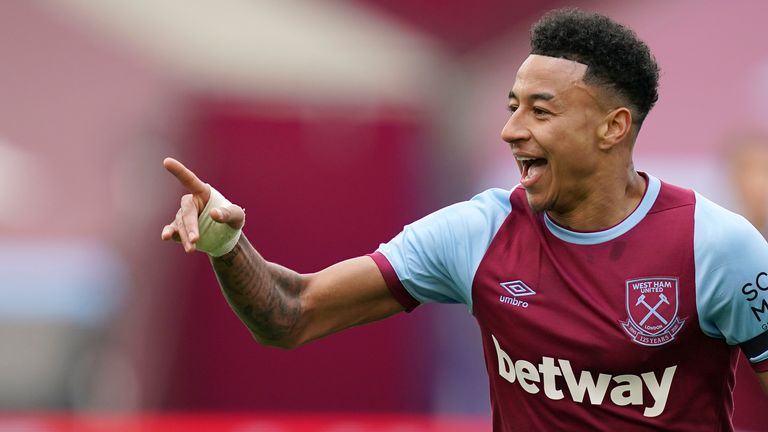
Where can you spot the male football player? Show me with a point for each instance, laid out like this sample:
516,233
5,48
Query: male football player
607,299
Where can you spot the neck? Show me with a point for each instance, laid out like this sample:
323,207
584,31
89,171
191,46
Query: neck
613,199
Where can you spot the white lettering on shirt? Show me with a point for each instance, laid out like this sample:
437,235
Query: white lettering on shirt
628,389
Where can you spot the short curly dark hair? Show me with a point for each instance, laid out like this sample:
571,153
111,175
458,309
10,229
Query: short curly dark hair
615,57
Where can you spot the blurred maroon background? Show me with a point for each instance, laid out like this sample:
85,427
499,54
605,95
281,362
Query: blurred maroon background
333,123
318,187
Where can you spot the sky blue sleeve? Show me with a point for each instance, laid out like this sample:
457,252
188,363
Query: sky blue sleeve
435,258
731,279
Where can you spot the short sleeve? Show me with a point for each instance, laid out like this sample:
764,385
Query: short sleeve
732,280
434,259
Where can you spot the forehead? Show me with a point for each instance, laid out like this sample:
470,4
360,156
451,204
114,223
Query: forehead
556,76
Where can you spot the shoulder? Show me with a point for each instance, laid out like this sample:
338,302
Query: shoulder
435,257
486,209
670,197
720,231
729,253
489,203
450,230
717,230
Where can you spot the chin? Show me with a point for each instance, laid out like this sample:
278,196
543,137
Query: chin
537,205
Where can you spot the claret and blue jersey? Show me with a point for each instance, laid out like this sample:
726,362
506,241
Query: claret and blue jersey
637,327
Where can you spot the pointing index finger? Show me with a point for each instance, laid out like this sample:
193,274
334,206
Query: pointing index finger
187,178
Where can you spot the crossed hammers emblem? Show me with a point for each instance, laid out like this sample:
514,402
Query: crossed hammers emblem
652,310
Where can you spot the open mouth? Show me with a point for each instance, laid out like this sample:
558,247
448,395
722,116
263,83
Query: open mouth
532,169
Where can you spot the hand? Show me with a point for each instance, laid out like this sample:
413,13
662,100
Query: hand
184,227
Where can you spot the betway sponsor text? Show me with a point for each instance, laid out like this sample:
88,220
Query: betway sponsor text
624,389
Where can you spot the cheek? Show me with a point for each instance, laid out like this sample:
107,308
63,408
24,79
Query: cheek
573,155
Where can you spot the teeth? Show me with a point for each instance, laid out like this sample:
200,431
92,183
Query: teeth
523,159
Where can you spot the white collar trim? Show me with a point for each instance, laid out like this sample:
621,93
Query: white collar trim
596,237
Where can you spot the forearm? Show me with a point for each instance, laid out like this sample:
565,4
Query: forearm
265,296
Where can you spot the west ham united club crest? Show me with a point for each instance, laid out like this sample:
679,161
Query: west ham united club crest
652,308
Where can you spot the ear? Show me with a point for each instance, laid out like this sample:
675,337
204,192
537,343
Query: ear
615,127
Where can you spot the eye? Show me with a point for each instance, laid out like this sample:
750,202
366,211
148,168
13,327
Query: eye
539,112
512,108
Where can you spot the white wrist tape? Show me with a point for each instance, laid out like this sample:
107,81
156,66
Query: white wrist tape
216,238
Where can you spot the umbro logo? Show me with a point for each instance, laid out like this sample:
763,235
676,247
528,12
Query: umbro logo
516,288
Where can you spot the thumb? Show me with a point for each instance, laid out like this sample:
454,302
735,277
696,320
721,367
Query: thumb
232,215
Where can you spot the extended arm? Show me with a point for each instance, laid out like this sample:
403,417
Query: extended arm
279,306
284,308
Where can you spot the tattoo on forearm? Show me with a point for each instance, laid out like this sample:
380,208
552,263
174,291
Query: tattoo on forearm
264,295
228,259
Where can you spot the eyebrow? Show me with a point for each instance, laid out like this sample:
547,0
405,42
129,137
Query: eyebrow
535,96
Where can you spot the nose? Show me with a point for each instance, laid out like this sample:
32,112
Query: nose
515,130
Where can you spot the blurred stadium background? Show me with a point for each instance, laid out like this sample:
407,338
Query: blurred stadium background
334,122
